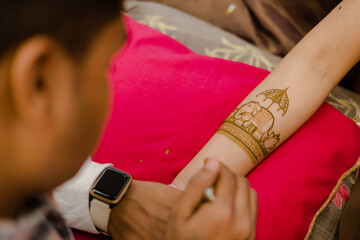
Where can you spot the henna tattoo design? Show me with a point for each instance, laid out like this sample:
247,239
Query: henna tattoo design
250,126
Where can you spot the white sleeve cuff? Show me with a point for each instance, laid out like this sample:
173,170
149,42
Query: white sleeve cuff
72,197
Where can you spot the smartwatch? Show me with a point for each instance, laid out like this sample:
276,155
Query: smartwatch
107,190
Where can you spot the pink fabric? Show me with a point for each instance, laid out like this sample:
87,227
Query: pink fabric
169,101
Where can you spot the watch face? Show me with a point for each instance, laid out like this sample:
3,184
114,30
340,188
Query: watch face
111,183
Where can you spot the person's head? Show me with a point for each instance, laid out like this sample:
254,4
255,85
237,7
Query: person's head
53,88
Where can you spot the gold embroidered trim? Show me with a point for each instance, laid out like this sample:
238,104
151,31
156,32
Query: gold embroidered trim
345,175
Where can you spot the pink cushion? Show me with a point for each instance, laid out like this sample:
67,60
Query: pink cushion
169,101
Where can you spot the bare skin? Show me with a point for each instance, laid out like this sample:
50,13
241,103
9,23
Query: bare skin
313,62
152,209
313,67
46,96
53,108
231,216
33,133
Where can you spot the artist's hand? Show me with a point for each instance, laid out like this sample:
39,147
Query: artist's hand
231,216
143,212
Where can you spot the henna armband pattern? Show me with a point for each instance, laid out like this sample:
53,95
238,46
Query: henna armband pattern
250,125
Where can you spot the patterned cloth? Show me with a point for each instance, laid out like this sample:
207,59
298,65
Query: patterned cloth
37,220
175,85
206,39
325,225
274,25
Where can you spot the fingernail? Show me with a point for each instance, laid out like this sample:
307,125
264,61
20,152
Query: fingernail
211,164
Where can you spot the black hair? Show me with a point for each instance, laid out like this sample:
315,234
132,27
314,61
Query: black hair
72,23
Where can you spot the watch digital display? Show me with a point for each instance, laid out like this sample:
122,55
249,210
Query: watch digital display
111,183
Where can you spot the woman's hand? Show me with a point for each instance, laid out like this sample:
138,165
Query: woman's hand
232,215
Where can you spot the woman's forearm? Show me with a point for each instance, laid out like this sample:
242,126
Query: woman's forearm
288,97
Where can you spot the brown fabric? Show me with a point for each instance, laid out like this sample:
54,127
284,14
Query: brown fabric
350,219
206,39
274,25
325,224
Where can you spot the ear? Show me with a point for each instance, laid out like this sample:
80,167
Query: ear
28,81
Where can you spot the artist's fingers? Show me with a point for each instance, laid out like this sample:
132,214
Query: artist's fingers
254,210
193,194
226,187
243,221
